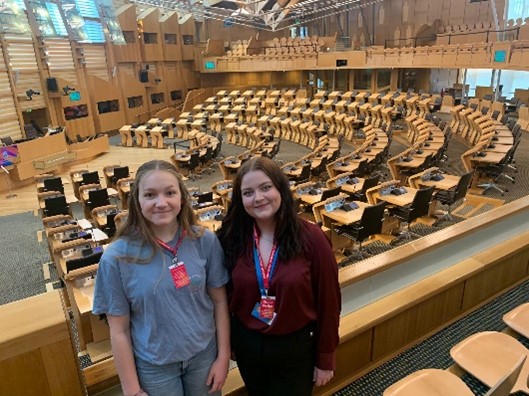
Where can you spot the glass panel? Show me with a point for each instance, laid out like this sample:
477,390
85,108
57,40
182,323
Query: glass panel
87,8
56,19
94,31
12,17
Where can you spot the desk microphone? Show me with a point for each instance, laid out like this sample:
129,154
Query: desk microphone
4,169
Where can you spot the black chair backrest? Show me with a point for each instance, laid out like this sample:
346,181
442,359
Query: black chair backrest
330,193
90,178
504,119
495,114
121,172
97,198
208,156
194,161
421,203
53,184
370,183
484,110
206,197
111,223
56,206
84,261
361,170
462,186
305,173
371,221
428,161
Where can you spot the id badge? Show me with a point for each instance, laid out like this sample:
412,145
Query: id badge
179,275
267,307
256,313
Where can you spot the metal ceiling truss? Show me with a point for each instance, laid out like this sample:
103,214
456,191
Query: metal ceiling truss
268,15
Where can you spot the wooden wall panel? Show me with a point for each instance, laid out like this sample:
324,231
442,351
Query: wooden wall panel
23,63
187,28
8,112
129,52
495,279
96,61
169,25
60,61
149,22
102,90
354,354
131,87
416,321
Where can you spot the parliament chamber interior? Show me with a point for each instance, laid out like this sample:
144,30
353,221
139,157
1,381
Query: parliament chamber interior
402,126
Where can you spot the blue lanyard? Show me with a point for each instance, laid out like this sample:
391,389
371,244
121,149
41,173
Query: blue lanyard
260,270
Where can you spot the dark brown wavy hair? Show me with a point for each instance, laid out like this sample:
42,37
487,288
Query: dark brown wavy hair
137,227
235,234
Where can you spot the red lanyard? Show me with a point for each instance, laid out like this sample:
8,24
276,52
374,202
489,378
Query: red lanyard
266,273
174,250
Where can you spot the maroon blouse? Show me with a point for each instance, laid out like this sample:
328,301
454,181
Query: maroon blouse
306,290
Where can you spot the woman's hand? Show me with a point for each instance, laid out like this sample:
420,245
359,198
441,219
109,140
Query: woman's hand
217,375
321,377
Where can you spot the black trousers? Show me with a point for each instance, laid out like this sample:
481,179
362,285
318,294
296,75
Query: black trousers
275,365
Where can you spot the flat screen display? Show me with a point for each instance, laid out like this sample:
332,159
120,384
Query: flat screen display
75,96
8,155
500,56
209,65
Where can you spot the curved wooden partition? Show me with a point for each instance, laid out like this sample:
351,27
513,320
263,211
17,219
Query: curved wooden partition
397,298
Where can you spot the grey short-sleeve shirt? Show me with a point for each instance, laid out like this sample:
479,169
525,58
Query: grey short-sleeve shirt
167,324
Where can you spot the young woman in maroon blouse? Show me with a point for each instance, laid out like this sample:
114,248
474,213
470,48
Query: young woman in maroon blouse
284,295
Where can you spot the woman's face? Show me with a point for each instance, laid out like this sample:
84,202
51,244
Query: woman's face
160,198
260,197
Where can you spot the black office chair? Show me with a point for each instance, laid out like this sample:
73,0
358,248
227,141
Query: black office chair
362,168
205,161
427,163
53,184
496,171
89,178
437,104
192,165
120,172
319,169
370,224
97,198
110,227
304,175
451,197
368,183
409,213
56,206
332,192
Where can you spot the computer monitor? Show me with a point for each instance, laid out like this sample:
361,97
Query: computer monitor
8,155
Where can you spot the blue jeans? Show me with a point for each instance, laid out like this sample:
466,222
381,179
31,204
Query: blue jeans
187,378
